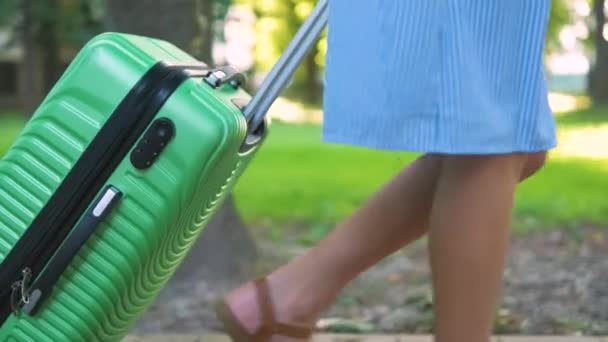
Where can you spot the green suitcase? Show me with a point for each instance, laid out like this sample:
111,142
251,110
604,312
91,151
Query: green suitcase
115,176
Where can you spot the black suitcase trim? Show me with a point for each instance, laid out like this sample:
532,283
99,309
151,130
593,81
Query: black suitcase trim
82,184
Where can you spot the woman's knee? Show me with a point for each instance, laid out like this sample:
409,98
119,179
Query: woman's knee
522,165
495,166
534,162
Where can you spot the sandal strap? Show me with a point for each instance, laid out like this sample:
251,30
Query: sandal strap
270,325
293,330
266,307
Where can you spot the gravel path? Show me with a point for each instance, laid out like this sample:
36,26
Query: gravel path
556,283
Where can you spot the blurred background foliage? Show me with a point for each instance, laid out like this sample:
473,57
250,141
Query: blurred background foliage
38,39
55,27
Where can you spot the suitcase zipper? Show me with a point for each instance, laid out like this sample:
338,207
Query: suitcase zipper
47,232
20,290
33,294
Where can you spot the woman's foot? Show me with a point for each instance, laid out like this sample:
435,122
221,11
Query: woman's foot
247,302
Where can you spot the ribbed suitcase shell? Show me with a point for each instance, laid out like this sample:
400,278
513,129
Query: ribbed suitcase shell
121,269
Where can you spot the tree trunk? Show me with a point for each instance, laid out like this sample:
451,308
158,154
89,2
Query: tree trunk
206,21
225,251
598,77
49,46
171,20
30,96
313,88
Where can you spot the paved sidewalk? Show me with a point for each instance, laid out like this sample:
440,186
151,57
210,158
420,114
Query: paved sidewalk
365,338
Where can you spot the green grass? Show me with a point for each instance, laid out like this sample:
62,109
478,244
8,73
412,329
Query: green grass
297,178
566,191
10,125
298,181
593,116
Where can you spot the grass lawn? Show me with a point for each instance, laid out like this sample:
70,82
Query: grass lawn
296,177
297,180
10,125
586,117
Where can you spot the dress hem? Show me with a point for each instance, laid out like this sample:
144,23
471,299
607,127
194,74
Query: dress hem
408,147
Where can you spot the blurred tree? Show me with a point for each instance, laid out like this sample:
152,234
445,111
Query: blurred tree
43,29
18,18
64,24
598,78
220,9
278,21
174,21
30,94
193,30
225,251
49,43
559,17
206,37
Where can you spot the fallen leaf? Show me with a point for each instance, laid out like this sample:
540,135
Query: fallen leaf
394,277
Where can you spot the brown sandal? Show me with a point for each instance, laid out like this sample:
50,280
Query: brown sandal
269,326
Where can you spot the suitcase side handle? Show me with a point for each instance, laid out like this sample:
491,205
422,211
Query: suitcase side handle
225,74
284,69
42,287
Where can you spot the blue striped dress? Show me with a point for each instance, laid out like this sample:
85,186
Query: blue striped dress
438,76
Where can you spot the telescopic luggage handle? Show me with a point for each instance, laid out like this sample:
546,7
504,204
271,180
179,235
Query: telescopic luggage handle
286,66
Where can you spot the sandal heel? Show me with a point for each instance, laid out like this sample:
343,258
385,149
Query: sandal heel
231,325
269,327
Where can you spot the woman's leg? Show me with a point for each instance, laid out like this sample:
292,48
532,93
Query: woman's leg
397,215
469,234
